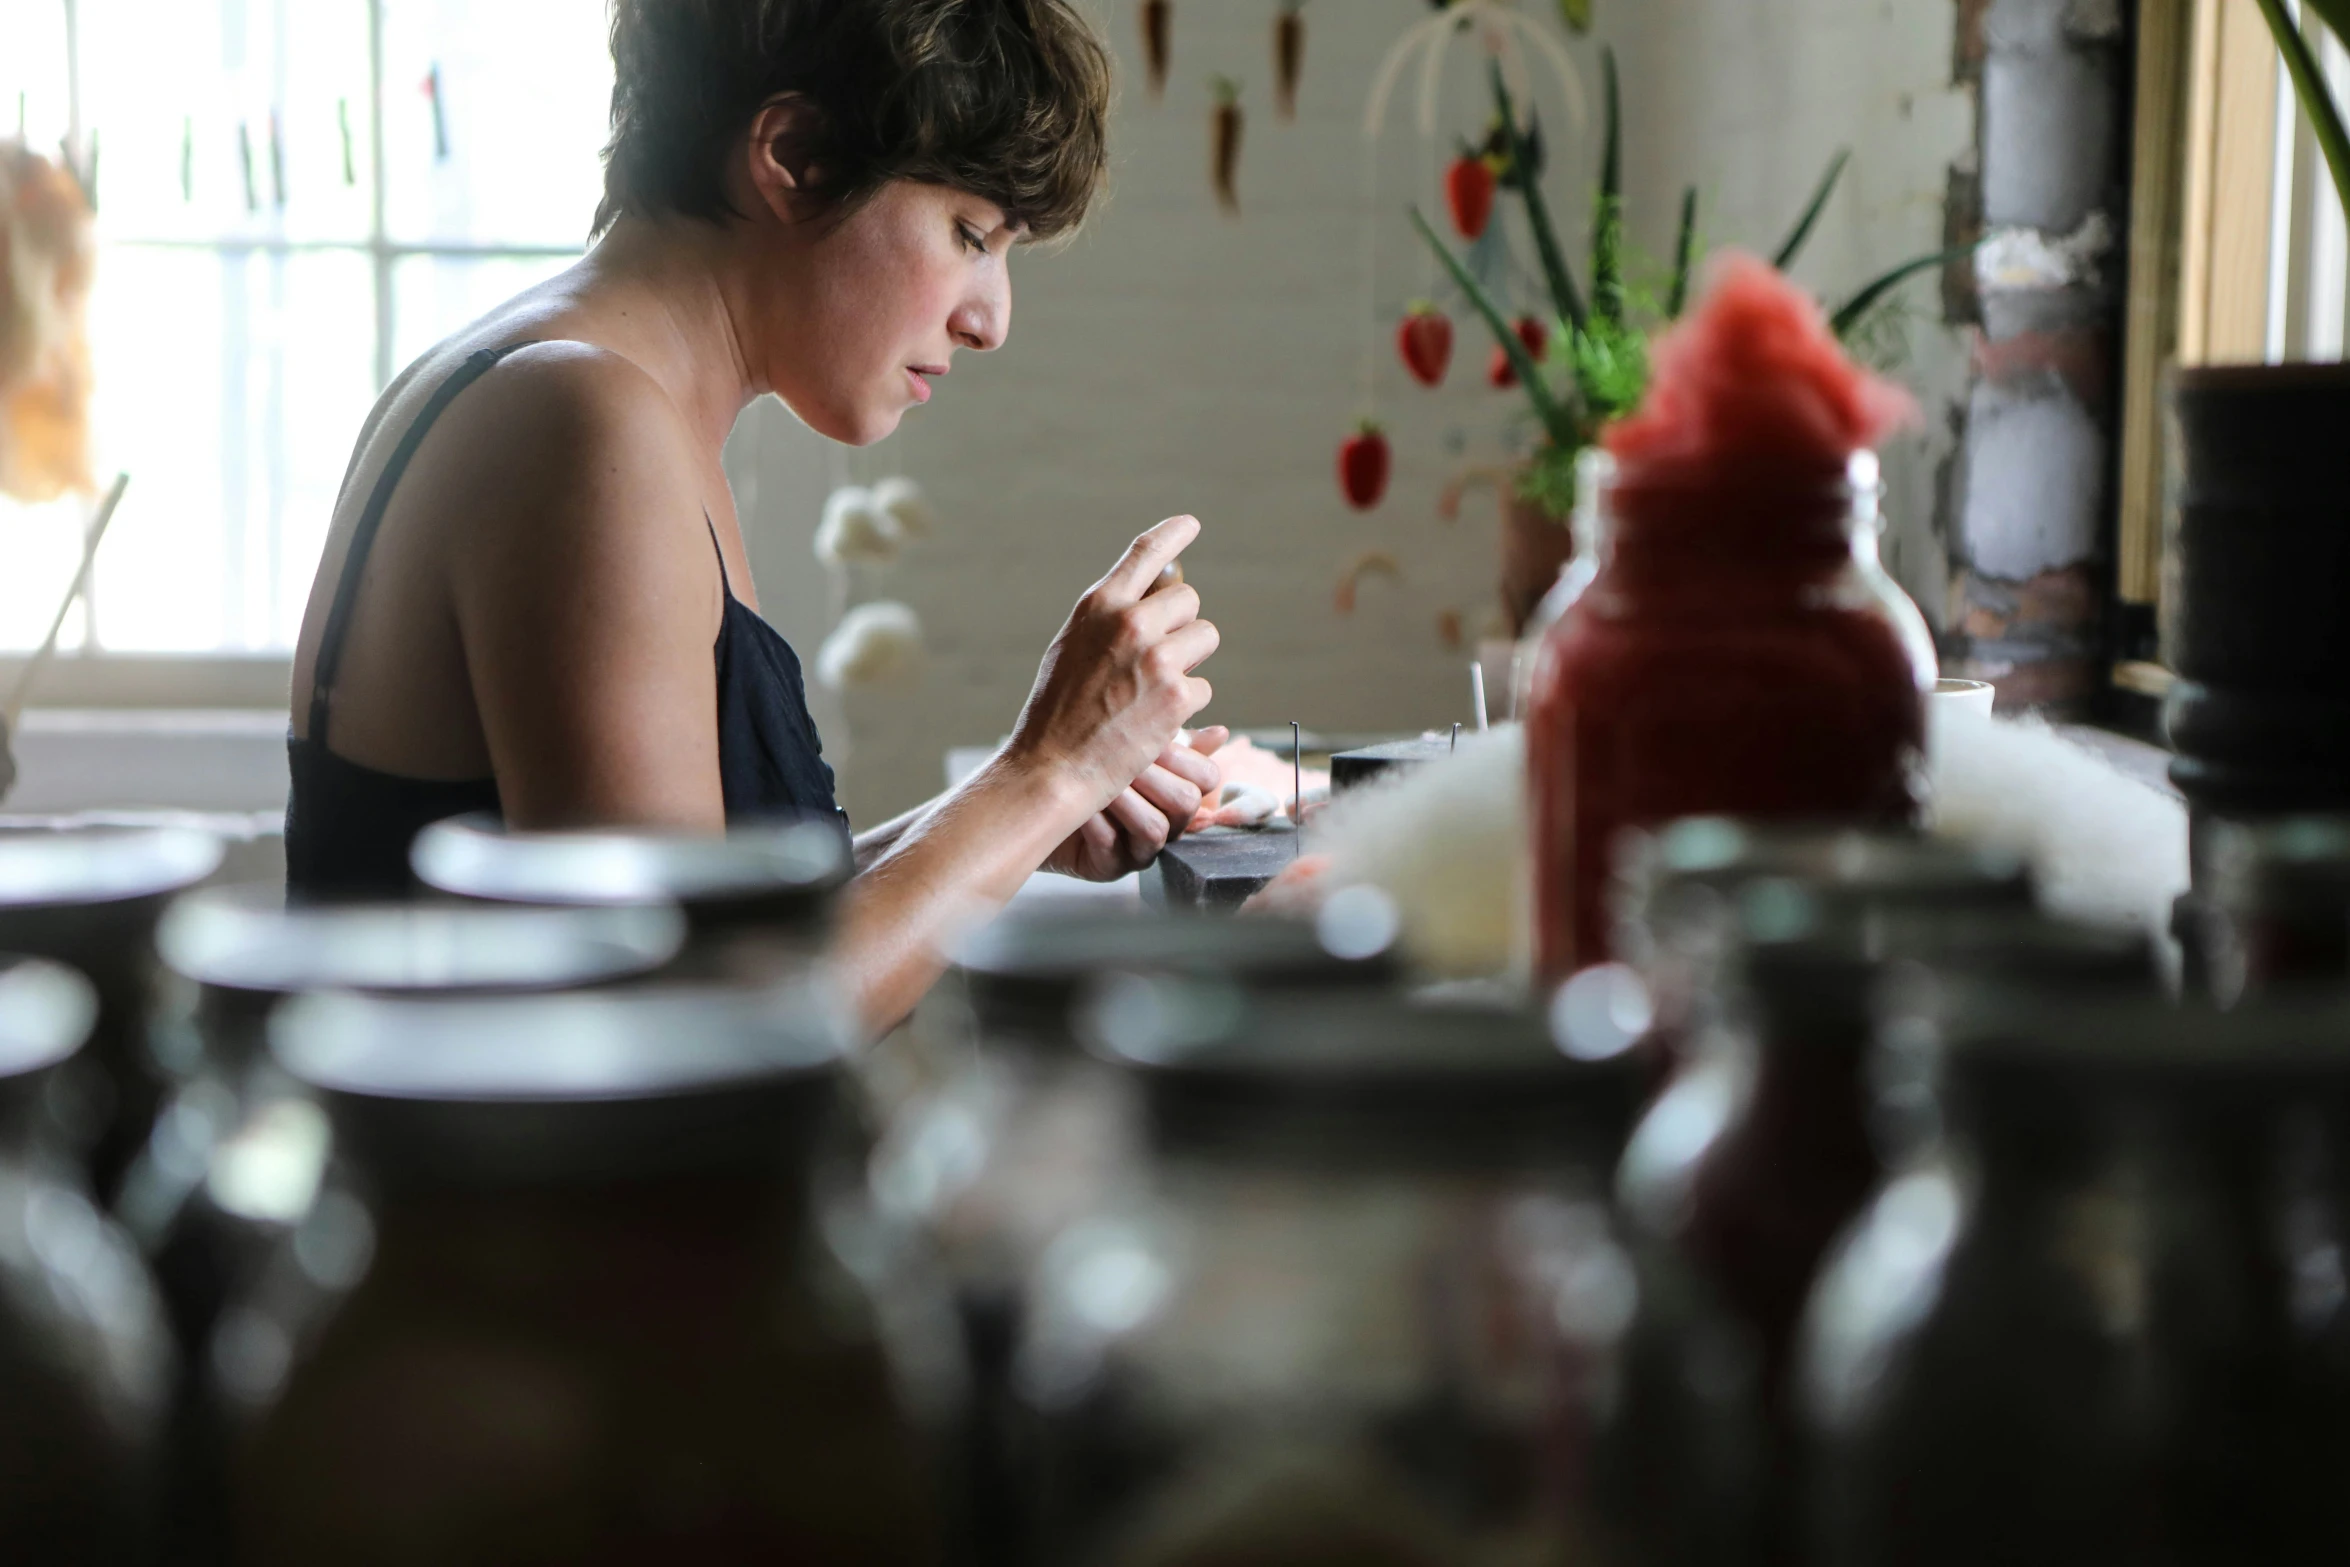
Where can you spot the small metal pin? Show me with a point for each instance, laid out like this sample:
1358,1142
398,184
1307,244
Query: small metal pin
1456,738
1297,786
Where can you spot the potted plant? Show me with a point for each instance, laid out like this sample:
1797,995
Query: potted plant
1584,359
2256,556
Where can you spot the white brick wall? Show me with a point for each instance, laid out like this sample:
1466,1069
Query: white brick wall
1173,360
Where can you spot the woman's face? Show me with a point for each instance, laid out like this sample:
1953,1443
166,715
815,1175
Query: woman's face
877,302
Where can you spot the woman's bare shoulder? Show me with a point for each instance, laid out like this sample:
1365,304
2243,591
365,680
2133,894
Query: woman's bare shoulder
583,481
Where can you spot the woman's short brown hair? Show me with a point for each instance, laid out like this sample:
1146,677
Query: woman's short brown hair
1006,99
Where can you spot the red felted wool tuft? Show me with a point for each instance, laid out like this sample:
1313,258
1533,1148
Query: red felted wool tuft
1752,379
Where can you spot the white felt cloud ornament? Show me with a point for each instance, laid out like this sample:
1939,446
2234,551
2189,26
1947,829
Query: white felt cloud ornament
855,531
873,644
901,500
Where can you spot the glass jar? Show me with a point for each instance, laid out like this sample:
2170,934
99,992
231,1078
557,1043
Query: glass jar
91,898
1992,1359
1674,898
758,901
1766,1145
2274,905
85,1356
1362,1302
1738,652
568,1301
1015,1132
237,1155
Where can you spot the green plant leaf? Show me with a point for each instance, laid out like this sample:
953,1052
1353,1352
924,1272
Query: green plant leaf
1576,14
1556,421
1546,241
2309,84
1607,218
1849,314
1684,256
1793,245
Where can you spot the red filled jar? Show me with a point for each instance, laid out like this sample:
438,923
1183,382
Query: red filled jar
1739,652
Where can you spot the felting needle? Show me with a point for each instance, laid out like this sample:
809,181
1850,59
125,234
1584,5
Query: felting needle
1477,690
1456,738
1297,787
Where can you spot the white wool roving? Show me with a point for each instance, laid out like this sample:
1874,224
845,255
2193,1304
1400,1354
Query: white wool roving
1446,840
2105,846
874,644
901,500
856,530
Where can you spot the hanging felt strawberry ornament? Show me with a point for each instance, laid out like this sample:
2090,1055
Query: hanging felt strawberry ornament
1363,461
1534,335
1424,341
1468,190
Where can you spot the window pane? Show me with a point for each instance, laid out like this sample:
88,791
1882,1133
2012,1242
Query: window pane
243,118
32,72
435,295
525,89
231,386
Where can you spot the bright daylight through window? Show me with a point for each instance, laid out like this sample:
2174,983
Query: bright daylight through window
295,198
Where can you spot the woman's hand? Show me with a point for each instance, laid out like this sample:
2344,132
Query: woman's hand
1114,690
1148,815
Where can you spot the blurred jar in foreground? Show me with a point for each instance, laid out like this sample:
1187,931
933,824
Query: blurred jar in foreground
1765,1147
1364,1304
2244,1158
758,901
1025,1133
2275,905
238,1154
583,1314
90,898
1986,1361
1674,901
85,1357
1760,1151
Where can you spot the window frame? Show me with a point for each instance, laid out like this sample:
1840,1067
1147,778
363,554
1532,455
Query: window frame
90,674
2236,246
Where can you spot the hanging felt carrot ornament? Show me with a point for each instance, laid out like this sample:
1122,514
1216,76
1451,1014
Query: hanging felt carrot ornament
1155,20
1289,56
1224,126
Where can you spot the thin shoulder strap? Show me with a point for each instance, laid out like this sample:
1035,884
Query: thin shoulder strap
338,616
723,580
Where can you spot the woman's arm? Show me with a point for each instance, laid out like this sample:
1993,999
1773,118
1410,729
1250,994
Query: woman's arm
1115,688
1172,787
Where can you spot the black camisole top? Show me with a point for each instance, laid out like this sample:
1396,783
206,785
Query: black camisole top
348,827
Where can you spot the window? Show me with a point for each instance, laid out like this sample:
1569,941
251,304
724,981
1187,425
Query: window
295,198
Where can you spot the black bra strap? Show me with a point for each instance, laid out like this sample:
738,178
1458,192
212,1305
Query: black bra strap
338,617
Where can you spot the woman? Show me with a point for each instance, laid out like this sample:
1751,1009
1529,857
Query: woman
534,598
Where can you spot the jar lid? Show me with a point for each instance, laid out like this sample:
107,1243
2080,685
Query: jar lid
523,1089
1725,853
1024,970
636,1044
246,938
89,865
46,1010
781,869
2290,860
1408,1071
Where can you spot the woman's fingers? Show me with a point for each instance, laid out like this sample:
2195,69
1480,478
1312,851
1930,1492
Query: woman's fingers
1186,763
1208,741
1173,797
1163,612
1138,569
1191,646
1141,824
